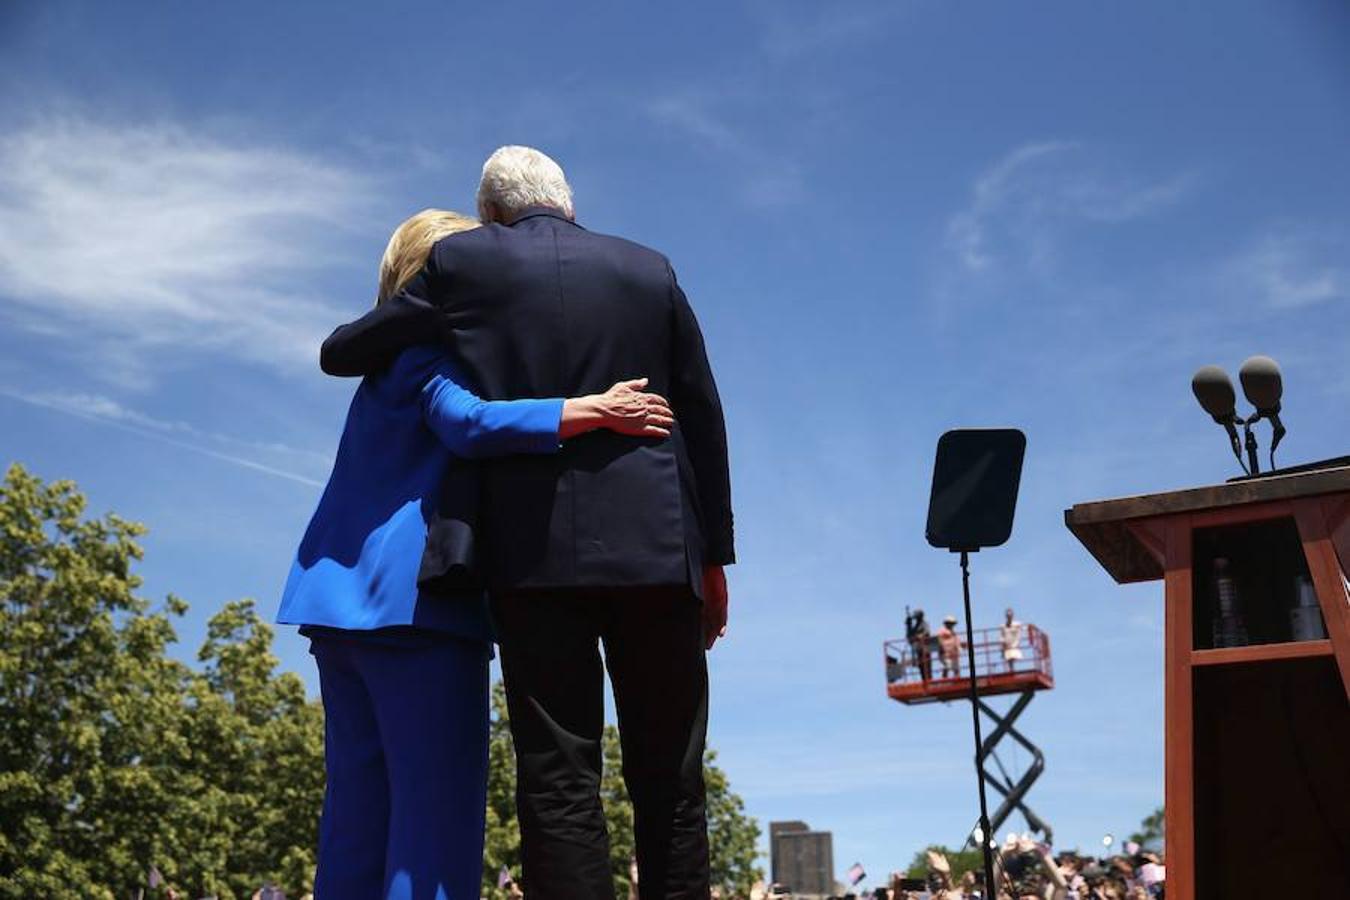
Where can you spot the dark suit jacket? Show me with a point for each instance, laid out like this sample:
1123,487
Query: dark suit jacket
545,308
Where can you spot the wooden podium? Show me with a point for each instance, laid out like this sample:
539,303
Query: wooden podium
1258,732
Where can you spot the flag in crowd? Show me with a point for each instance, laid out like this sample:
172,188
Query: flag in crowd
856,873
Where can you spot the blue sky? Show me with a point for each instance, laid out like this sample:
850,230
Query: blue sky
892,219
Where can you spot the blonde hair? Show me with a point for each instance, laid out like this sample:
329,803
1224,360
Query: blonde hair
411,243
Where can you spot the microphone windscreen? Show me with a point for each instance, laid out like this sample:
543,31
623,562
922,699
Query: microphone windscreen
1214,389
1262,384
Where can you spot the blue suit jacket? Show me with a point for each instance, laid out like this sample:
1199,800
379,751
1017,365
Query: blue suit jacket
357,566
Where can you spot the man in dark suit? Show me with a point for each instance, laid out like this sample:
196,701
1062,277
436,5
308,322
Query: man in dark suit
614,541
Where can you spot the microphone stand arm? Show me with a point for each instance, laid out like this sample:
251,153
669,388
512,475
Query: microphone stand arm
1277,432
1249,441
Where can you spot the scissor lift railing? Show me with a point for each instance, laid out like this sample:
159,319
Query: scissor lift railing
994,675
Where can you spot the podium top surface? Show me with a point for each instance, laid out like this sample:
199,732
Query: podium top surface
1102,527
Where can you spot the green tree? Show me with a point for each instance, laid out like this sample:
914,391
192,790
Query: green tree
732,834
257,744
967,859
86,694
1150,833
501,844
115,757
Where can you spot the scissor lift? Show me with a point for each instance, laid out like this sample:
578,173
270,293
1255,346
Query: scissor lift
994,676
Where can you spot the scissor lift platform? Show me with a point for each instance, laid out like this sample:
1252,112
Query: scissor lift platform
994,675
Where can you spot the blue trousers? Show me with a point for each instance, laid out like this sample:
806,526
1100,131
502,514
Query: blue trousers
405,748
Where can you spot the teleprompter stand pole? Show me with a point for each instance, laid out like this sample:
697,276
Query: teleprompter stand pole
990,888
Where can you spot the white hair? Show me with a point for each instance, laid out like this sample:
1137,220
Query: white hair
516,178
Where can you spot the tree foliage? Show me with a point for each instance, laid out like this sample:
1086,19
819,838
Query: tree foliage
732,835
967,859
114,757
1150,833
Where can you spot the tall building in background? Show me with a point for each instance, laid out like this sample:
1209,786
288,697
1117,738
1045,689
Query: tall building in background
801,858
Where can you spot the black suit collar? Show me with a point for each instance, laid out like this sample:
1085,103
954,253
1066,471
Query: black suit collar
533,211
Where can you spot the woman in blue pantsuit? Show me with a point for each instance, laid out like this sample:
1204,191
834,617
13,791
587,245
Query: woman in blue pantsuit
404,672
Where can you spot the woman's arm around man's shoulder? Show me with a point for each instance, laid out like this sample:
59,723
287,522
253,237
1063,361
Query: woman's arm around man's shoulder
372,342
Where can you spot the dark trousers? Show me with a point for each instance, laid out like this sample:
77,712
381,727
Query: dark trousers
550,653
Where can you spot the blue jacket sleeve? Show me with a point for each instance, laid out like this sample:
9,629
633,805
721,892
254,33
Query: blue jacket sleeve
474,428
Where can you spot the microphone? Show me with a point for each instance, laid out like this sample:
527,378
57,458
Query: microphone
1263,385
1214,389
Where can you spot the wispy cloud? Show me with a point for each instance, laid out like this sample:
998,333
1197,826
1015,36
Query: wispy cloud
766,177
149,239
105,411
1291,269
788,33
1019,203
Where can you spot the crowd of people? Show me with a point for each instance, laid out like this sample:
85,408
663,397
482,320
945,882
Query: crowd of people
1027,870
